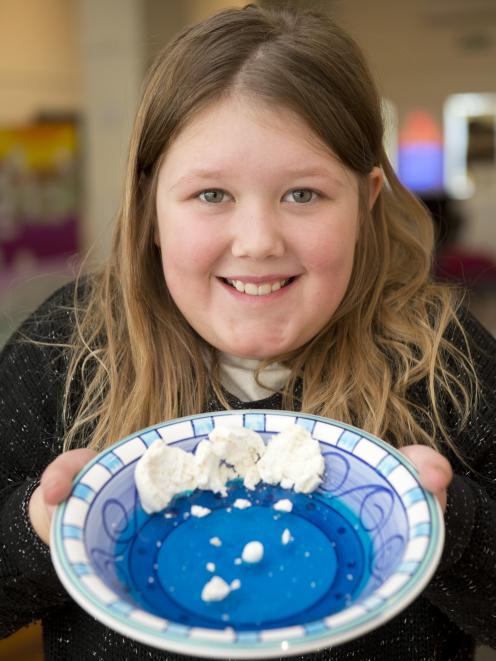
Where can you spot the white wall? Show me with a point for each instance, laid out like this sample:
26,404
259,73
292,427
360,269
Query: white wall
111,34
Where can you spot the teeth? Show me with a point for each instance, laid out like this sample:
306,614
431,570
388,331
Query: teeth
251,289
256,290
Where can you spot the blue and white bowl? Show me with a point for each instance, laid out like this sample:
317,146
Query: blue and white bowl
362,547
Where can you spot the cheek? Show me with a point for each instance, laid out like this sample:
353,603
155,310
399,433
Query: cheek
332,257
187,261
330,245
184,242
334,279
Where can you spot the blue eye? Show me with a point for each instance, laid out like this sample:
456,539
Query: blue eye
300,195
214,196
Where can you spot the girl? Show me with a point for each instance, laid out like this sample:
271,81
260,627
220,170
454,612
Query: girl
265,256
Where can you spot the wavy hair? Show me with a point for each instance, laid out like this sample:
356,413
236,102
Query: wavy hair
139,360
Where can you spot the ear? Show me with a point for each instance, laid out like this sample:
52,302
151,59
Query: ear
376,180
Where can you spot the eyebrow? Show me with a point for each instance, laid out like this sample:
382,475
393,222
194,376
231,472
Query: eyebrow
199,173
202,173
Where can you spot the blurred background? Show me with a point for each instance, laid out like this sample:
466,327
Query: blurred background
70,77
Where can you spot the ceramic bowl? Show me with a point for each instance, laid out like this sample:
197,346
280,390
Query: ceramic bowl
357,550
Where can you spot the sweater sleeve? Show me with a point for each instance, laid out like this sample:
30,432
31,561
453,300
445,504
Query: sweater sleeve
31,386
464,586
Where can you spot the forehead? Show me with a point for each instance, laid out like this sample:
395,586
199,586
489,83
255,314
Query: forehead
240,130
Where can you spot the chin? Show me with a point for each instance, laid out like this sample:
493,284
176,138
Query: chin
255,351
257,355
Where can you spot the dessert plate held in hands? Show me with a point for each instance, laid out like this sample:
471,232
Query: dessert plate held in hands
336,563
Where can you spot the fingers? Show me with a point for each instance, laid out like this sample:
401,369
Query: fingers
57,478
39,515
435,472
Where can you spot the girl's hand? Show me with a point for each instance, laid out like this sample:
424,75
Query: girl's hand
435,471
55,486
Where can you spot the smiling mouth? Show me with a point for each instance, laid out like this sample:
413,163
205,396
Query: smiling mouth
262,289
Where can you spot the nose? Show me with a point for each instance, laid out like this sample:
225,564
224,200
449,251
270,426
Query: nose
257,233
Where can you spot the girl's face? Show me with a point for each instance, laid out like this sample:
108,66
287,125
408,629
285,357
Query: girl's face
257,224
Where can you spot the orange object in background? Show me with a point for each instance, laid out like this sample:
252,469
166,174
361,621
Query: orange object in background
25,645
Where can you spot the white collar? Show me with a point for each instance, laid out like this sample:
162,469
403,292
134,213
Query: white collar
237,376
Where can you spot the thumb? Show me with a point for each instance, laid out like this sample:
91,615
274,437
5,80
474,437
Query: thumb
56,481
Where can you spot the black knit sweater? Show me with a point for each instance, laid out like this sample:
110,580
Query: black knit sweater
456,610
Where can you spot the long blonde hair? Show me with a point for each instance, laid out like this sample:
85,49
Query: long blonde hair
137,358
